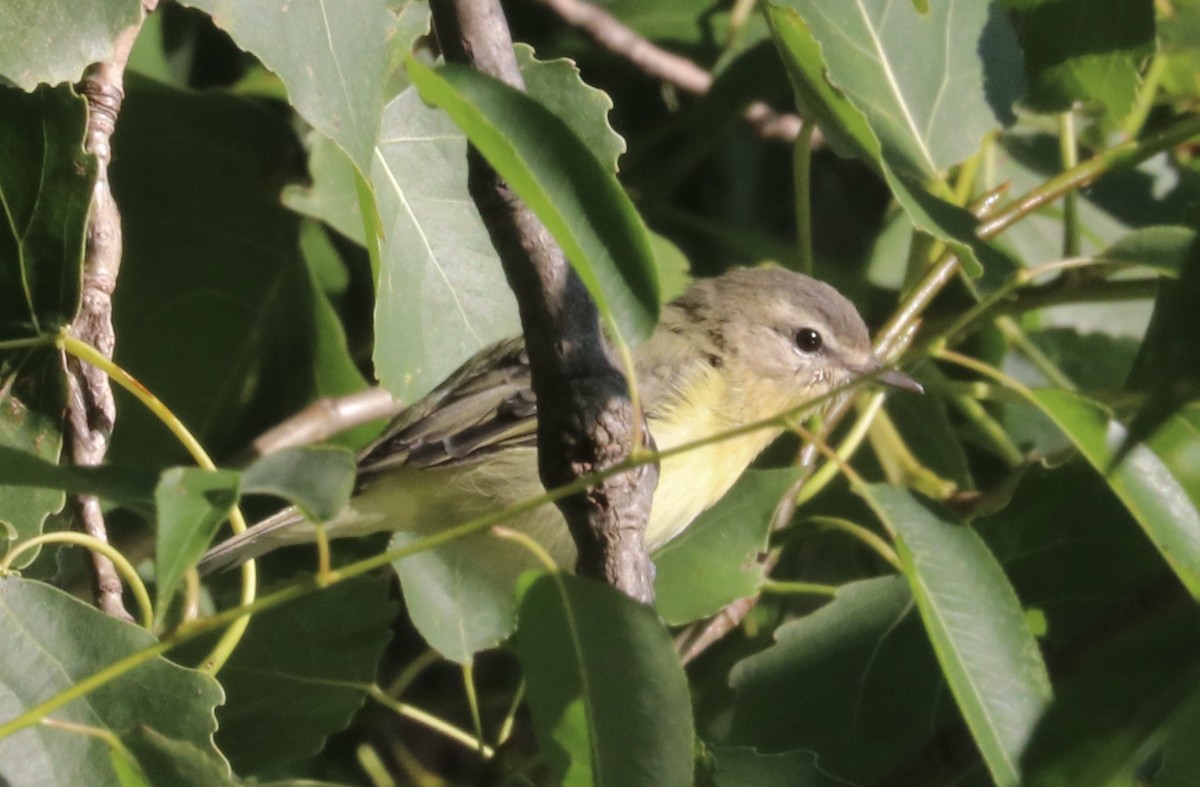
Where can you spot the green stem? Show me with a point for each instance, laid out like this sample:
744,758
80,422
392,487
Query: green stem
43,340
432,722
473,705
867,537
1070,158
802,183
790,588
1145,98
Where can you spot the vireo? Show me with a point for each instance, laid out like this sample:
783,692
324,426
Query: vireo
730,351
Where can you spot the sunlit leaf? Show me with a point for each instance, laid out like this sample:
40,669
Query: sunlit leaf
190,504
53,41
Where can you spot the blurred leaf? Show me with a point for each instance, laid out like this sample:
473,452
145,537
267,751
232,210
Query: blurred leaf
1145,485
32,400
42,660
442,294
929,85
301,672
607,693
831,684
1093,361
738,767
175,762
53,41
317,479
333,60
1115,700
1163,249
925,424
1178,762
20,468
1086,51
1168,365
581,204
45,189
191,504
216,310
715,561
975,622
558,86
672,265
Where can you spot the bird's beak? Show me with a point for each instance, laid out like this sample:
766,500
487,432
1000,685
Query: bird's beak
893,378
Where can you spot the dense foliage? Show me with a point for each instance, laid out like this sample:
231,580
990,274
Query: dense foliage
993,583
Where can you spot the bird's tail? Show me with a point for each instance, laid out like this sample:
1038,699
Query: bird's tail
286,528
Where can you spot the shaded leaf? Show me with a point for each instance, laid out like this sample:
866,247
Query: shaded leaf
52,41
332,58
975,622
607,693
1163,249
747,768
301,672
581,203
1145,485
1116,699
1085,51
829,685
45,190
715,561
191,504
332,196
42,660
130,486
317,479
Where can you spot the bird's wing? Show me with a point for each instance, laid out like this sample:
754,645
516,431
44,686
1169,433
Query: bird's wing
486,405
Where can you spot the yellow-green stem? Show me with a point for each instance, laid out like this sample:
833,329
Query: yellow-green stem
802,185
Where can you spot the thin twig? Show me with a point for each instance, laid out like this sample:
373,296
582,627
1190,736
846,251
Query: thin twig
608,32
91,410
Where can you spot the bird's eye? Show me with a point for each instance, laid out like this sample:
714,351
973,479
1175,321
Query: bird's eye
808,340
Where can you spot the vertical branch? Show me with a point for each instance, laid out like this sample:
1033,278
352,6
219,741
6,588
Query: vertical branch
91,411
585,417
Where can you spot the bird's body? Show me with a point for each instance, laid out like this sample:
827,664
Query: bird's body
731,351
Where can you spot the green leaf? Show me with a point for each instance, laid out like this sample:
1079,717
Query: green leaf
32,400
442,294
45,190
975,622
43,660
1115,701
1083,51
715,561
740,767
332,196
52,41
175,762
1162,249
607,693
317,479
216,310
581,203
301,671
191,504
854,682
931,85
333,58
1145,485
558,86
21,468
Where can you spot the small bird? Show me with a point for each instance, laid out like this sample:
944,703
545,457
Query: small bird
732,350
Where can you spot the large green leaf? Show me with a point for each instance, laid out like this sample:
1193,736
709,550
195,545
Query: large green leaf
216,310
53,641
301,672
21,467
333,58
442,294
1083,51
45,190
317,479
744,767
191,504
976,625
560,179
930,85
607,693
715,561
52,41
1147,487
854,682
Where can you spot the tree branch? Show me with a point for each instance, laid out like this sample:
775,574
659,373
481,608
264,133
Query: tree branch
608,32
91,411
585,418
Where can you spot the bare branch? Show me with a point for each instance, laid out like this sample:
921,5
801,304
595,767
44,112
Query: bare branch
608,32
585,418
91,411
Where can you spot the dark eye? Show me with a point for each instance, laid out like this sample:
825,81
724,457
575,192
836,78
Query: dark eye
808,340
